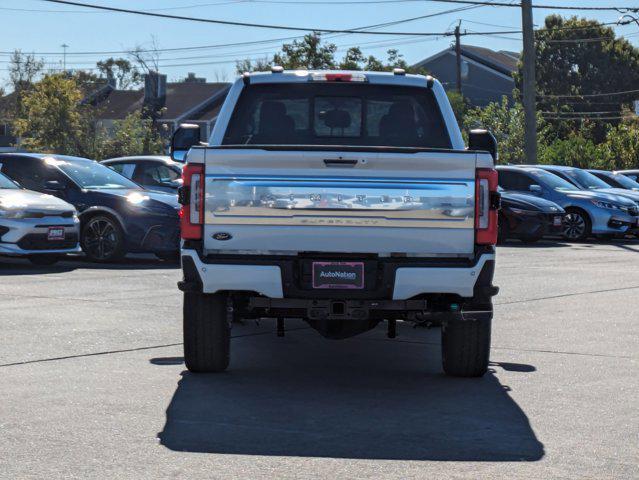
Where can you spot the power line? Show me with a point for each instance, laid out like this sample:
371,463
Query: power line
604,112
245,24
590,95
323,30
545,7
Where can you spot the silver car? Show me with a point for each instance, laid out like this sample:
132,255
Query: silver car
34,225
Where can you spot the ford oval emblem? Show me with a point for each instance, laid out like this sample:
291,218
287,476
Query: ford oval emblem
222,236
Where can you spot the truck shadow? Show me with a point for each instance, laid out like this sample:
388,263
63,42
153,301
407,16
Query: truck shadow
358,399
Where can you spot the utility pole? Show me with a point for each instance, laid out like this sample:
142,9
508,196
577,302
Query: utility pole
64,56
530,91
458,55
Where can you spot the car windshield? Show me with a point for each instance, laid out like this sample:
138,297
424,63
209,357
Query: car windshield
6,183
624,181
585,180
551,180
92,175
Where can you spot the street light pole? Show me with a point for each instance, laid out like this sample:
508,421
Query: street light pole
64,56
529,88
458,56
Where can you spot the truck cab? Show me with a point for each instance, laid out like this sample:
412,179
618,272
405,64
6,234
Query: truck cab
345,199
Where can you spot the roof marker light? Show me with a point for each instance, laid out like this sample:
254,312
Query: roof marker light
277,69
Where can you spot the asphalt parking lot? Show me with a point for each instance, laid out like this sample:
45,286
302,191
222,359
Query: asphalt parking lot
92,383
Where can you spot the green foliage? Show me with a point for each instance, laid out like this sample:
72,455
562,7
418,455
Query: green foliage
621,149
308,53
568,65
134,135
311,54
122,70
506,122
575,151
53,119
460,105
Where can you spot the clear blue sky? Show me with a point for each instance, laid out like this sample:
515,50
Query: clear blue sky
45,27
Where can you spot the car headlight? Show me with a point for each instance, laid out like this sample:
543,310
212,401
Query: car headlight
136,198
608,205
10,213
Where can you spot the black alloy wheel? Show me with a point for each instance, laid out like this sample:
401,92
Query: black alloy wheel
102,239
576,226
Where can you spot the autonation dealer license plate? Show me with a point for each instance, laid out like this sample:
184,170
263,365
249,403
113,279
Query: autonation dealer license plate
55,233
348,275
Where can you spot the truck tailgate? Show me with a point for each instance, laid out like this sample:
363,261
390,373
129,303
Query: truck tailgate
384,202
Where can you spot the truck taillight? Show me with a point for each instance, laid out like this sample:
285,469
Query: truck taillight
192,200
486,206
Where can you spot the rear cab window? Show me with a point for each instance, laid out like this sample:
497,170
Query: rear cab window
357,114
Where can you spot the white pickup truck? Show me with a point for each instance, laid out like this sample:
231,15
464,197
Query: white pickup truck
342,198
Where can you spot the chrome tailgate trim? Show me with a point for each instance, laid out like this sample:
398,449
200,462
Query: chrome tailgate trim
335,201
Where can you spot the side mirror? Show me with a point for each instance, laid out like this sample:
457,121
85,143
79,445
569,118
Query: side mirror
535,189
53,185
183,139
484,141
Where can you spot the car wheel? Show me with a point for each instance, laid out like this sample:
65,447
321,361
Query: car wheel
102,239
44,259
207,333
576,225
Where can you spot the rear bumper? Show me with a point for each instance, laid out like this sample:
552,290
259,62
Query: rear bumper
386,278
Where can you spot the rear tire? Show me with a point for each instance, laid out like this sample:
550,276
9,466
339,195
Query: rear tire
207,333
466,347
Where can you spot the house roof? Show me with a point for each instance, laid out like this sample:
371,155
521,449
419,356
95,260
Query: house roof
503,62
181,98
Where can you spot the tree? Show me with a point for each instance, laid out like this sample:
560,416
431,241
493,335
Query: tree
579,57
311,54
126,74
575,151
308,53
621,148
259,65
53,119
134,135
506,122
460,106
23,70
